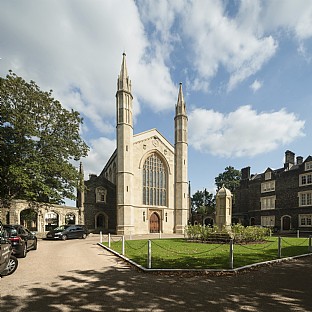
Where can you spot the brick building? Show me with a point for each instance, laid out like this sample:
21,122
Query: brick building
279,198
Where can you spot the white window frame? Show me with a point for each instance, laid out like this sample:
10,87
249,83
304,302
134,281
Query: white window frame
268,186
305,220
268,175
100,194
305,198
268,221
267,202
308,166
305,179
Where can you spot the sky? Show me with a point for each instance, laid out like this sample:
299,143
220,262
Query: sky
245,67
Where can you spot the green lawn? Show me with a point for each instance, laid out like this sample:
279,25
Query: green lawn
180,254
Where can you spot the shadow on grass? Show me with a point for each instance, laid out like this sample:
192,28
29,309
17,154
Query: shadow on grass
283,287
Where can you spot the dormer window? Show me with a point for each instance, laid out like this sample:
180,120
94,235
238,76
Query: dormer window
308,166
268,175
100,194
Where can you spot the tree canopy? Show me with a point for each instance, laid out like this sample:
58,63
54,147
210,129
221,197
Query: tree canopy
39,140
229,178
203,202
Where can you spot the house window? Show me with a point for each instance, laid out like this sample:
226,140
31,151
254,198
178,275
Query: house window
267,186
267,175
305,179
100,194
268,221
305,220
308,166
267,202
305,199
154,182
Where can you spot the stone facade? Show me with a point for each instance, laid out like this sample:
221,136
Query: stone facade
280,198
44,216
145,178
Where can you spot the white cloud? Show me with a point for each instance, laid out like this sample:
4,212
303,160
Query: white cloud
101,150
243,132
233,43
256,85
289,15
75,48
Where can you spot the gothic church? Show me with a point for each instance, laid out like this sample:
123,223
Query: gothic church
144,186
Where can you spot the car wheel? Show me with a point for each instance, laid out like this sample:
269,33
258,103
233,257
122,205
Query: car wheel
64,237
35,245
11,266
24,251
84,236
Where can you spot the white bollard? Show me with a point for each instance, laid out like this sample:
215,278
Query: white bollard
123,245
298,234
149,254
109,240
101,238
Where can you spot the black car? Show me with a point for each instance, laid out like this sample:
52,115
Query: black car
8,263
21,239
68,231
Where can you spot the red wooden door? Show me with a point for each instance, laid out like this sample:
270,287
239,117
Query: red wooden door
154,223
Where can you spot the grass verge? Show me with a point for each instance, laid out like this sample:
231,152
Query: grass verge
181,254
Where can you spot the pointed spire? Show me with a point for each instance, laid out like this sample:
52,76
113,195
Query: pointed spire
180,108
123,71
124,83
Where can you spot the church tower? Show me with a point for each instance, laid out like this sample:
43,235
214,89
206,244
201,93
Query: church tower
124,187
181,196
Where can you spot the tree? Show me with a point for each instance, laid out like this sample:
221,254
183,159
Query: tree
203,202
38,141
229,178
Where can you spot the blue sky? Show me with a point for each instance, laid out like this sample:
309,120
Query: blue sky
246,69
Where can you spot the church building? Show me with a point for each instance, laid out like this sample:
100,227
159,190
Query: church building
143,188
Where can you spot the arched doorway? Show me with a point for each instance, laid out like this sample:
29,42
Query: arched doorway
51,220
28,218
252,221
154,223
70,218
285,223
101,222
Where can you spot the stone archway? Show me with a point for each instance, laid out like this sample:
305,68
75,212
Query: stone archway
101,221
28,218
208,221
154,223
70,218
286,224
252,221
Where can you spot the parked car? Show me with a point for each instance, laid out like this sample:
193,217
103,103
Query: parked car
8,263
21,239
68,231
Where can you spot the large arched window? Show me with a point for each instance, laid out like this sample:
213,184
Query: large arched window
154,182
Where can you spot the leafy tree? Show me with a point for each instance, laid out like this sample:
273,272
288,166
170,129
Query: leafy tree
229,178
38,141
203,202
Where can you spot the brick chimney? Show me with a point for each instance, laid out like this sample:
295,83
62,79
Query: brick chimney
289,159
299,160
245,173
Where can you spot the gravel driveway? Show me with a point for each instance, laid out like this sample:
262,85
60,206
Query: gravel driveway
78,275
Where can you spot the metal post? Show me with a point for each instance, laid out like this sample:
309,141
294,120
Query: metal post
310,245
279,252
123,245
101,237
109,240
159,234
231,254
149,254
298,234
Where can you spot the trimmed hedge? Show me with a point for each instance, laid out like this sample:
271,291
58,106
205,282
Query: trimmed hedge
237,232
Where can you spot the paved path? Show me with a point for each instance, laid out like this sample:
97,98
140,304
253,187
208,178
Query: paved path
78,275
